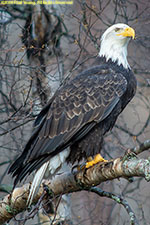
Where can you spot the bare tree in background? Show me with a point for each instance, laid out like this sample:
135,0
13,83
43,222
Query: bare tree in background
30,70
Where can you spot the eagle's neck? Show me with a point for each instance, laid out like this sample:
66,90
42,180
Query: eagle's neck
114,51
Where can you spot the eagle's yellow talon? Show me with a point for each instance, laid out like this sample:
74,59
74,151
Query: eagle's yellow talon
98,158
89,164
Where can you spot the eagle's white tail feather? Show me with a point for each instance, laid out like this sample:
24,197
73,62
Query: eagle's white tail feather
53,165
36,182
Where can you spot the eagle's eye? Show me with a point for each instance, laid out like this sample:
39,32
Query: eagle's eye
117,29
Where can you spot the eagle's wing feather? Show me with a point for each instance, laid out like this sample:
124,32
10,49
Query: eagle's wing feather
83,102
75,109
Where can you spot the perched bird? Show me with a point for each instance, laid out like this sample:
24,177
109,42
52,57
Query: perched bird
80,112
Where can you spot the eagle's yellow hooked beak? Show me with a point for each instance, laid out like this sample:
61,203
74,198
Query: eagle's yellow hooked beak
128,32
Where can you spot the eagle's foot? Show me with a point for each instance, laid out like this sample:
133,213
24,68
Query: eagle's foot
98,158
90,162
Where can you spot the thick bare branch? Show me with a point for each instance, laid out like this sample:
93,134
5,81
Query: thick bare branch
128,166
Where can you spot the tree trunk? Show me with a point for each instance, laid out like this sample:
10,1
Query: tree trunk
41,38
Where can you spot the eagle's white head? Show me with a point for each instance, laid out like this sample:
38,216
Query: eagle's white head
114,43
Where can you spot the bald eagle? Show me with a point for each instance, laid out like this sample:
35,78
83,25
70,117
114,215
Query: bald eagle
81,112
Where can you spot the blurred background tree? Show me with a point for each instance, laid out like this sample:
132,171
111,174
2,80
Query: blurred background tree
42,45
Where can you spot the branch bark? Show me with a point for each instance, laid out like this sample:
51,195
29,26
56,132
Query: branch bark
128,166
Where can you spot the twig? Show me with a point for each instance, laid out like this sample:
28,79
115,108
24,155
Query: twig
118,199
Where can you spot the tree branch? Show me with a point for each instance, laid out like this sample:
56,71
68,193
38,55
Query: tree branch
142,147
128,166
